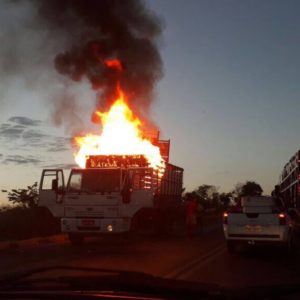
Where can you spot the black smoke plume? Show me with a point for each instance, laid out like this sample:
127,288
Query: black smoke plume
103,30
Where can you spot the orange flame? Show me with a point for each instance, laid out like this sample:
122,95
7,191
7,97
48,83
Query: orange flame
114,63
121,135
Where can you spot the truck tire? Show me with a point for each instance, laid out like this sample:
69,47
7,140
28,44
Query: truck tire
230,247
76,239
164,226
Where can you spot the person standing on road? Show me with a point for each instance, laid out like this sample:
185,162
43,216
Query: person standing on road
199,213
191,214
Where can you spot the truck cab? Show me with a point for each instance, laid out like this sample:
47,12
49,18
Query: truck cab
113,194
97,200
104,200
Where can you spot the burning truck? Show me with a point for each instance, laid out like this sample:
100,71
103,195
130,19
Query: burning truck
124,181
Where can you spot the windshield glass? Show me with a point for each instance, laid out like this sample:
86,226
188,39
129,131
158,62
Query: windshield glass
132,130
94,180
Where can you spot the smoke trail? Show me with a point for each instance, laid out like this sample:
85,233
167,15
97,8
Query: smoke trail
100,32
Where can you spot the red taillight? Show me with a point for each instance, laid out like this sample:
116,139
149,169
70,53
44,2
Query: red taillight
225,218
282,219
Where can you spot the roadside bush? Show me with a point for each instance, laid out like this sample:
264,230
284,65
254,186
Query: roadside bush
22,223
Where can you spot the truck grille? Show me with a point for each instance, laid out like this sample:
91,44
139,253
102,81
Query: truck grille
84,228
89,214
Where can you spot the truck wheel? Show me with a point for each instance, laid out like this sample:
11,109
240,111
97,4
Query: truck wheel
76,239
230,247
159,225
168,227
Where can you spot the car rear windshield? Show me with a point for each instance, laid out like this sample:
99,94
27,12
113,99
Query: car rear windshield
261,204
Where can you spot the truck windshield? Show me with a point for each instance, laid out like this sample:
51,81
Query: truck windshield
94,180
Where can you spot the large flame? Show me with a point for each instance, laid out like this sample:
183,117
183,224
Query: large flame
121,135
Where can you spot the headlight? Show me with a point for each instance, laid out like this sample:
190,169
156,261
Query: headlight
109,228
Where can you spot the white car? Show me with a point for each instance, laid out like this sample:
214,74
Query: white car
258,220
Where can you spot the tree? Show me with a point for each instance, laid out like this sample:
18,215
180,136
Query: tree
237,191
25,197
208,195
225,199
251,188
206,191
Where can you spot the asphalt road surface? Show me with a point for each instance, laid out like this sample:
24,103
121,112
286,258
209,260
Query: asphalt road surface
202,258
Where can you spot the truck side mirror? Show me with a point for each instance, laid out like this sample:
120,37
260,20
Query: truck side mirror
54,184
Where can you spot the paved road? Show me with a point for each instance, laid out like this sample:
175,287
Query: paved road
203,258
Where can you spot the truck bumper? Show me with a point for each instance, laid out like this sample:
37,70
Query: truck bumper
89,225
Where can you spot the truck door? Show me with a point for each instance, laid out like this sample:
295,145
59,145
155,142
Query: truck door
142,187
51,191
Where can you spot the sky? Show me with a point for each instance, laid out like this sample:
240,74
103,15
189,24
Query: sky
229,98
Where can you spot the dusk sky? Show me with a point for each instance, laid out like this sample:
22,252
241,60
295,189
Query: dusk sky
229,98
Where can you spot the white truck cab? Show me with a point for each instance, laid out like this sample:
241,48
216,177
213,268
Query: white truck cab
108,198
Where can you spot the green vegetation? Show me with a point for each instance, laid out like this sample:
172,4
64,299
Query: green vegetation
209,197
251,188
27,198
24,219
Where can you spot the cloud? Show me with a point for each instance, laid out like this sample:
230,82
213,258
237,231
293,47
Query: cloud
11,131
21,160
25,121
59,144
20,135
17,127
23,130
34,136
